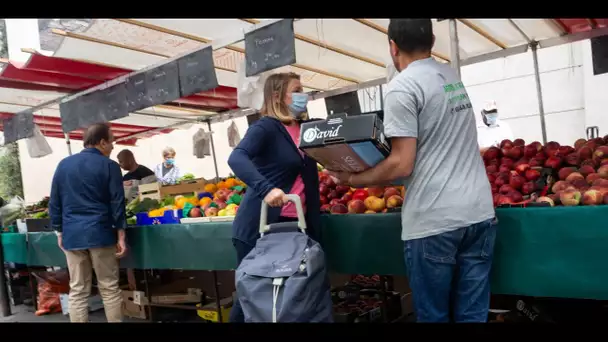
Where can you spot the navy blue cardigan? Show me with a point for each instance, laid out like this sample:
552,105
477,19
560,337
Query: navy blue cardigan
267,158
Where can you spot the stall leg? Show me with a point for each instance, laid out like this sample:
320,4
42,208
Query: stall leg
5,304
150,318
454,46
217,173
68,144
216,289
539,91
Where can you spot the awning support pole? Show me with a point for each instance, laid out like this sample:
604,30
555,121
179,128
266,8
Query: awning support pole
539,91
217,173
68,144
454,46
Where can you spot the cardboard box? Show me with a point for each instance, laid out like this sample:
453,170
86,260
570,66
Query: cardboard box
345,143
95,303
130,308
185,188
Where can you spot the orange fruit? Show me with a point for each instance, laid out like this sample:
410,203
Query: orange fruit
180,202
204,201
210,187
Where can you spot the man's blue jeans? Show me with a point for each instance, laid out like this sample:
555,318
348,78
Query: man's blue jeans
449,273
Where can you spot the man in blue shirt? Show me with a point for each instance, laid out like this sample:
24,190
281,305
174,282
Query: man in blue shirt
87,210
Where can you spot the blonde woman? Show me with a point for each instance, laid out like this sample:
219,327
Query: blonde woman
269,162
166,172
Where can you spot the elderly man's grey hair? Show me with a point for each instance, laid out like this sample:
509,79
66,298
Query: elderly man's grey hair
168,151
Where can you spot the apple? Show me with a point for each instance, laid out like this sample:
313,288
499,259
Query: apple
347,198
492,153
507,161
504,168
592,177
580,184
603,171
519,142
502,179
522,168
560,186
552,145
332,194
338,209
573,159
360,194
506,143
546,199
586,170
553,162
535,162
323,189
491,178
541,156
579,143
195,212
336,201
601,182
528,188
211,211
538,145
599,141
592,197
325,208
375,191
515,196
601,152
375,203
515,152
390,192
356,207
505,189
342,189
604,162
494,188
220,204
585,152
574,176
570,197
530,151
565,150
503,199
329,182
516,181
394,201
532,174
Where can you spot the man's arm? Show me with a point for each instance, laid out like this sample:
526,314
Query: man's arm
55,211
401,126
117,198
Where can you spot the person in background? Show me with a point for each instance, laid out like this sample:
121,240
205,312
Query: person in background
87,211
127,162
166,172
447,217
269,162
491,131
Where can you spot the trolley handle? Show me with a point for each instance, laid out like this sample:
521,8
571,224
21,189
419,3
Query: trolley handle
265,227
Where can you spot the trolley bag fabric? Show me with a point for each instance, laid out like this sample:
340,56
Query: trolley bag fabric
284,278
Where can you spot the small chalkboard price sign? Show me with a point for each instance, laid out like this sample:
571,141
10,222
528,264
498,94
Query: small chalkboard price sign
270,47
162,84
115,102
20,126
136,93
68,111
197,72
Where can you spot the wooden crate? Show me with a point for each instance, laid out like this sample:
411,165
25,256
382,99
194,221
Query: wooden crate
151,191
185,188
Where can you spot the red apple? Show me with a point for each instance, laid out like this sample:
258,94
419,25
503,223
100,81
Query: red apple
323,200
601,152
603,171
592,177
360,194
574,176
552,145
565,150
538,145
535,162
579,143
586,170
560,186
504,168
604,162
528,188
522,168
519,142
573,159
342,189
338,209
601,183
505,189
570,197
580,184
494,188
515,196
332,195
347,198
325,208
388,192
329,182
532,174
592,197
336,201
585,152
491,178
564,172
323,189
516,181
530,151
492,153
503,199
356,207
553,162
506,143
515,152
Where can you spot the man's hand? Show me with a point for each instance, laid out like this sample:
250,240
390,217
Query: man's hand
60,241
275,198
341,177
121,246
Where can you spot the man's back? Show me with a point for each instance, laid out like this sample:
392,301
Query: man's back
84,191
448,188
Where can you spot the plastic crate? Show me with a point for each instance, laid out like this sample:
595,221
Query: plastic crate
170,217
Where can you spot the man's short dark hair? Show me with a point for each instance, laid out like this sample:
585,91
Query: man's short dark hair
126,154
411,35
95,134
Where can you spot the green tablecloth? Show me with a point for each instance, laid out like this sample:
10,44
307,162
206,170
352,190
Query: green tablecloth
550,252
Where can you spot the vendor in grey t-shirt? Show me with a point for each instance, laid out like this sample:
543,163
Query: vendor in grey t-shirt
448,217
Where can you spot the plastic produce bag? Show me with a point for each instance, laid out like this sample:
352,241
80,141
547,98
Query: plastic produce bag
233,135
12,211
201,144
37,146
250,90
50,286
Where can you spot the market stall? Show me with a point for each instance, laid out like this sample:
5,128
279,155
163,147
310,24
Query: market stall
529,260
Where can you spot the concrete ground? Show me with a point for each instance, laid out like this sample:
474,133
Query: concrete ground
22,313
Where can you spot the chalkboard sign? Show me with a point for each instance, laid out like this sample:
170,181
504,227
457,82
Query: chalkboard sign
82,111
114,100
68,111
197,72
599,55
270,47
20,126
344,103
162,84
136,93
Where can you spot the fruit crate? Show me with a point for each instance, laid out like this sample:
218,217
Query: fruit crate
185,188
151,191
170,217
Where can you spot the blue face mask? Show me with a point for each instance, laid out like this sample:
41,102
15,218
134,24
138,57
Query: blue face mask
298,103
492,118
170,161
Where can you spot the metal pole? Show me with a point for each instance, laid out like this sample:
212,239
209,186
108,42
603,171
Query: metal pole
454,46
539,91
5,305
217,173
68,144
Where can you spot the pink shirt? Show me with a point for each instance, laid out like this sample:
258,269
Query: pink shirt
289,210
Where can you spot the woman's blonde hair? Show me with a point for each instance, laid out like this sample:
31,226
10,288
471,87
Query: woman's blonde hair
168,151
275,90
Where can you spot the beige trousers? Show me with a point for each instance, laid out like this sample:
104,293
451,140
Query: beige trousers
81,265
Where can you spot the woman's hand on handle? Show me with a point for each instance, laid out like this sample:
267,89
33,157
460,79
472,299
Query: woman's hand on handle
275,198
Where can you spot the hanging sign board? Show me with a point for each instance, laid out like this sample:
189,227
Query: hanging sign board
136,93
114,102
82,111
270,47
68,112
162,84
197,72
20,126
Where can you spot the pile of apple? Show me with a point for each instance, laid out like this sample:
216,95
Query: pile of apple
580,172
342,199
